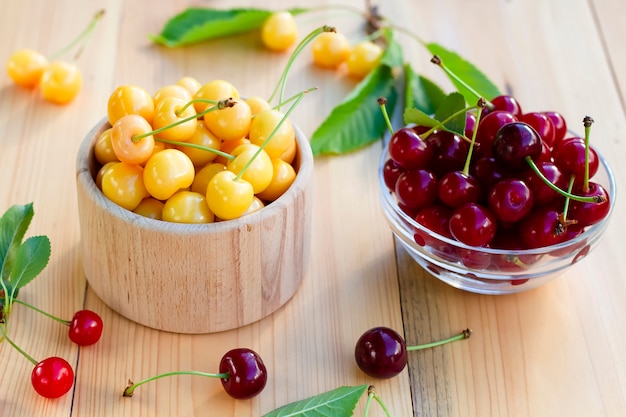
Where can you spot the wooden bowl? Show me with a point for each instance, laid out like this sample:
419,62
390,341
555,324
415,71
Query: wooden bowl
194,278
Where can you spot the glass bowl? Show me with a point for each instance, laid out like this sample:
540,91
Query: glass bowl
484,270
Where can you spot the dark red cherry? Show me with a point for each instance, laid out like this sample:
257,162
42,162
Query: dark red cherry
449,152
85,328
542,193
247,373
416,188
408,149
559,123
457,188
391,172
589,213
488,172
470,124
542,124
505,103
473,224
381,353
541,227
488,127
514,143
510,200
569,156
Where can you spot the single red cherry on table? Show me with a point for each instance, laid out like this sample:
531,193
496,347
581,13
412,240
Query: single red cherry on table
85,328
52,377
247,374
241,371
381,352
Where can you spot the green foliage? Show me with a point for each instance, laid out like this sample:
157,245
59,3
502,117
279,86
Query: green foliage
471,75
198,24
357,120
339,402
20,261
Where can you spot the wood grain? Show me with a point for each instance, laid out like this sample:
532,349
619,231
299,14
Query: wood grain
556,350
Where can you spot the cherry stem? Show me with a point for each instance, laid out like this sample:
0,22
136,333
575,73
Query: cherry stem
481,105
382,103
82,37
298,98
438,61
441,124
282,81
587,122
563,222
32,307
6,337
373,395
219,105
465,334
582,199
128,391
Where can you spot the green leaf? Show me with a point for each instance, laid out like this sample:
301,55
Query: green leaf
339,402
197,24
420,92
466,71
358,120
13,225
451,105
31,257
418,117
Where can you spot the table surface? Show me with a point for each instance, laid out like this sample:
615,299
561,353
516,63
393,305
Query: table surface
556,350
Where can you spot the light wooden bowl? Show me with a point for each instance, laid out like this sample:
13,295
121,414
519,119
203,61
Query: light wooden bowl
190,278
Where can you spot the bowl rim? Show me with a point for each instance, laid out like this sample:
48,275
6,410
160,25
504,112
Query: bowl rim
84,178
597,228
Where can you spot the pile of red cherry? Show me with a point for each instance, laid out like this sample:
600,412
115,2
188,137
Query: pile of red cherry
497,200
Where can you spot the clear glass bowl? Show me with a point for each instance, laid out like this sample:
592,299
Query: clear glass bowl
491,271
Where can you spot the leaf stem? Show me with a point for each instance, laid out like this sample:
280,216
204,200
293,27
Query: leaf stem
16,347
32,307
465,334
82,36
129,390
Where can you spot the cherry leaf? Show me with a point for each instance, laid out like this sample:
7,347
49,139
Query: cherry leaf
470,74
420,92
198,24
451,105
13,225
31,257
358,120
339,402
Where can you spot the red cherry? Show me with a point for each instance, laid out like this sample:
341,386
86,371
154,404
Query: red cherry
391,172
510,200
541,228
381,353
473,224
247,373
542,124
587,214
457,188
514,143
417,188
505,103
85,328
569,156
488,127
408,149
52,377
559,123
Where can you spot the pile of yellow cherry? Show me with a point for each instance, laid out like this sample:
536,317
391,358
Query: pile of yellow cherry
194,153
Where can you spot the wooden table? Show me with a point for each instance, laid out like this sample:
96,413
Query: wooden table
556,350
